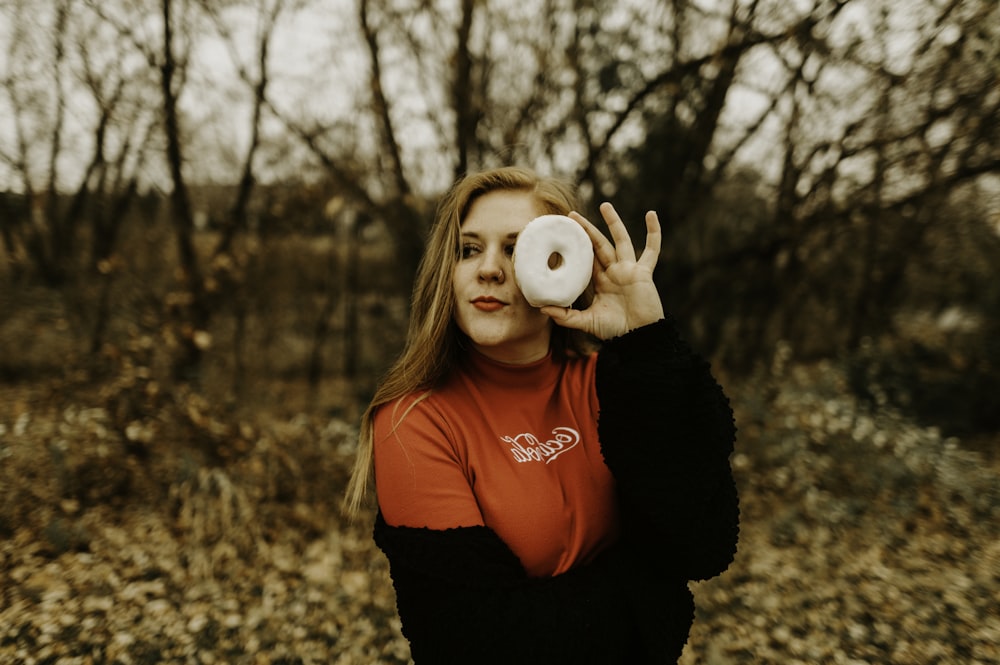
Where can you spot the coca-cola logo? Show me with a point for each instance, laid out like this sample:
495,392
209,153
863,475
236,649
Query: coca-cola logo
529,448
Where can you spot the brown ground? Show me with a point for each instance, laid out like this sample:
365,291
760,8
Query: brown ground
139,527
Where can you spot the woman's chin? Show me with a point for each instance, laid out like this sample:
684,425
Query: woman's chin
511,350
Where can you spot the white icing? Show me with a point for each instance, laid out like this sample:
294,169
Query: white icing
545,284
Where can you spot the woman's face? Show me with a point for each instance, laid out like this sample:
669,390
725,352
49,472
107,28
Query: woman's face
489,307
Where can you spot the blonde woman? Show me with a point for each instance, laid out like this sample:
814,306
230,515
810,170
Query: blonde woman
548,480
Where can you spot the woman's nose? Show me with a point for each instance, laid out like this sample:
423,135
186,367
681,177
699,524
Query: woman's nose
492,267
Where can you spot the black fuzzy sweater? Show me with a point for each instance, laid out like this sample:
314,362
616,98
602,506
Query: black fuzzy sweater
666,432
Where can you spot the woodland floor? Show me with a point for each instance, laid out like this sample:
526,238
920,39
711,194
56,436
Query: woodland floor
139,527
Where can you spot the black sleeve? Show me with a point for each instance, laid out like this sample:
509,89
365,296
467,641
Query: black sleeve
667,432
463,597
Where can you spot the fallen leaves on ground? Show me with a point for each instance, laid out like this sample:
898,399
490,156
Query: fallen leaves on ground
865,538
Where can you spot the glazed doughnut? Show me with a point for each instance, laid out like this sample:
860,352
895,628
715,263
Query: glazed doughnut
553,261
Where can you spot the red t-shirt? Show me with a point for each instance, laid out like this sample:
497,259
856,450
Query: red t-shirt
511,447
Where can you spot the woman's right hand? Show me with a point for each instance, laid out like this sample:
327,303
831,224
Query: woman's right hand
625,296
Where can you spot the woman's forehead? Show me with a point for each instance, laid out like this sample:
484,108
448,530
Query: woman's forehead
503,212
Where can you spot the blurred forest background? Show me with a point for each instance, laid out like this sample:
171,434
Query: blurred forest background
211,211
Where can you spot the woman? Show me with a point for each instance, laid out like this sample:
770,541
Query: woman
540,500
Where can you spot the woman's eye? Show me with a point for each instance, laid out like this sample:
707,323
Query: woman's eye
509,250
469,250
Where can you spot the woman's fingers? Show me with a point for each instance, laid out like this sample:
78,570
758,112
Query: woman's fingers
622,249
604,251
623,243
654,239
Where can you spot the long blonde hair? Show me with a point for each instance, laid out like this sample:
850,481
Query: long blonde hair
434,342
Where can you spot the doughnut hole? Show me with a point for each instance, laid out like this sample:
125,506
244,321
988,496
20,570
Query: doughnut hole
555,260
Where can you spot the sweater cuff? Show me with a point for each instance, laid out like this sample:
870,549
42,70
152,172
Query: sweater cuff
663,334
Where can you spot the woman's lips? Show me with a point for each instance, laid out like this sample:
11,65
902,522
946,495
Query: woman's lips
487,304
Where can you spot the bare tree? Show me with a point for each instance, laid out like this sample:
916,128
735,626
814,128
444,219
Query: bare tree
37,86
79,175
192,305
254,72
867,142
923,124
204,275
841,137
